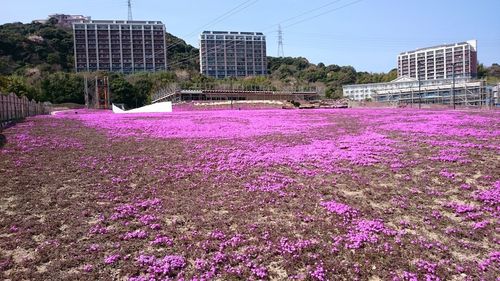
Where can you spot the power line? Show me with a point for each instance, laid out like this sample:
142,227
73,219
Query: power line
306,12
250,2
243,5
198,55
324,13
237,9
193,57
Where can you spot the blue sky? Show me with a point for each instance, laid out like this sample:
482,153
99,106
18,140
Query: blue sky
367,34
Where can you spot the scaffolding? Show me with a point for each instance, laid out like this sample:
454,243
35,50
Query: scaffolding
222,92
472,93
97,94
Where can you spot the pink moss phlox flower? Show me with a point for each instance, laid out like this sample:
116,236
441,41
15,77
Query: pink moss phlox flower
167,265
493,258
409,276
270,182
155,226
490,196
162,267
289,247
480,225
232,242
200,264
427,266
94,248
98,229
461,208
450,155
136,234
365,231
124,211
260,271
111,259
147,219
87,268
154,203
145,260
465,186
447,174
339,209
219,257
217,234
162,240
319,272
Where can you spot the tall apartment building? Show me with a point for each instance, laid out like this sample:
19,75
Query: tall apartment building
232,54
440,62
119,46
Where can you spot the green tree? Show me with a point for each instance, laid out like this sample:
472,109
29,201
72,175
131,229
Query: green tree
494,70
122,91
333,93
142,90
17,85
481,71
62,87
53,58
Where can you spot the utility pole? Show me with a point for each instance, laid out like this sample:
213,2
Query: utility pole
419,91
280,42
453,85
129,9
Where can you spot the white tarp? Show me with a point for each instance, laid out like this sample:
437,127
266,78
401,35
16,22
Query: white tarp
152,108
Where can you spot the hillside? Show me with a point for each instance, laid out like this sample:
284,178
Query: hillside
50,48
36,60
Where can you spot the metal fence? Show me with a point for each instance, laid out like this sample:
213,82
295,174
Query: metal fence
14,108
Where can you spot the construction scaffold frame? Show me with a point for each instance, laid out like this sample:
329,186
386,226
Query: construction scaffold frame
97,94
232,92
467,93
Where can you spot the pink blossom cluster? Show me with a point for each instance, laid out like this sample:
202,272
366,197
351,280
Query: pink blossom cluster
158,268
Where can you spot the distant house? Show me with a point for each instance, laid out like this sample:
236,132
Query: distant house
64,20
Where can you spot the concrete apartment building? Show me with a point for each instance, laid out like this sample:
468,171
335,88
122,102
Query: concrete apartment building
232,54
440,62
119,46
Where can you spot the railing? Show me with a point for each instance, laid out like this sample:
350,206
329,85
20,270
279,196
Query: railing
14,108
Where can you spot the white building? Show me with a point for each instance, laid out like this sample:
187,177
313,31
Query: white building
464,91
495,94
360,92
64,20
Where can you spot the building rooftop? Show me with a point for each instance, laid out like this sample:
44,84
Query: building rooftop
473,43
232,33
120,22
70,16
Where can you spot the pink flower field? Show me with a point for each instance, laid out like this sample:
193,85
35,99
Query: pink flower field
352,194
